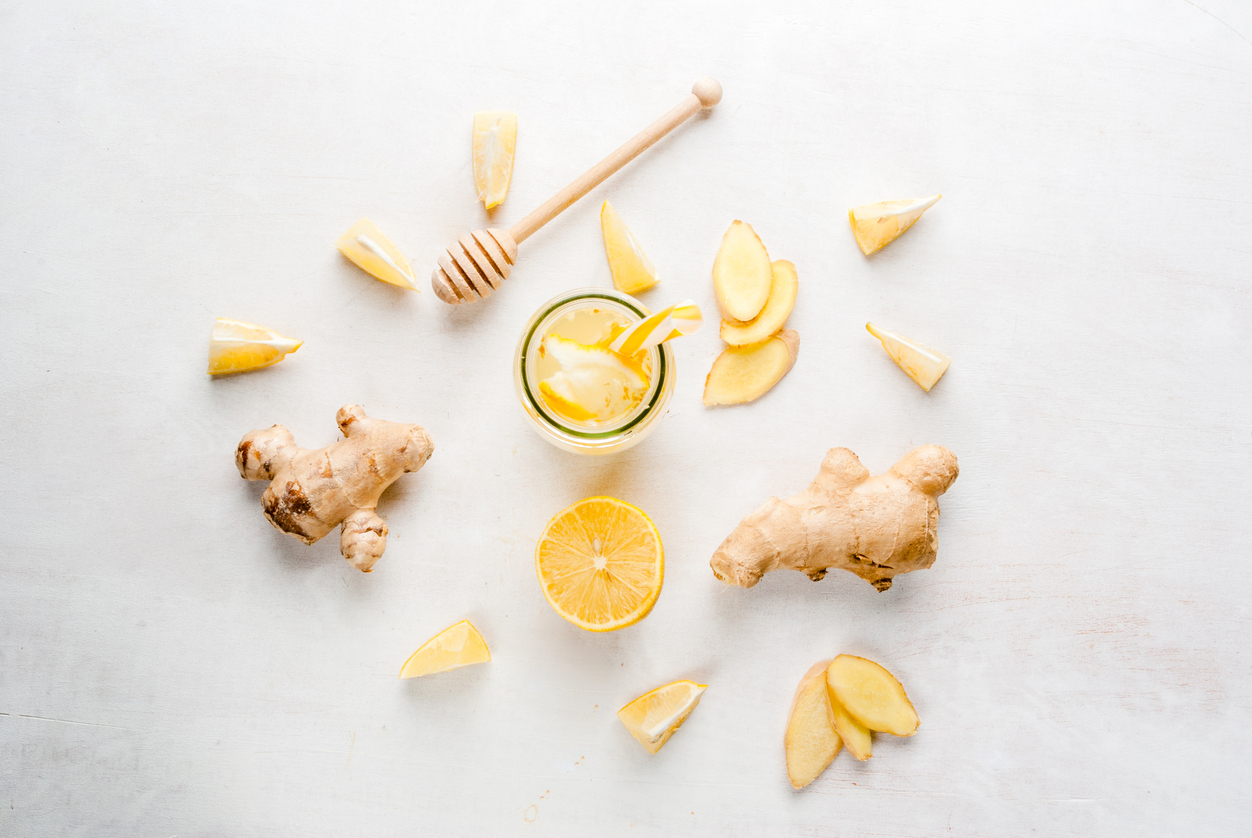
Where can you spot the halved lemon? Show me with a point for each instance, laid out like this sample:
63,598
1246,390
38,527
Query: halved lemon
600,564
653,717
235,346
495,139
454,647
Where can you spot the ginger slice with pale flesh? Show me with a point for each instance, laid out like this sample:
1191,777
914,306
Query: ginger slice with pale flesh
872,695
741,273
854,734
811,741
782,299
745,373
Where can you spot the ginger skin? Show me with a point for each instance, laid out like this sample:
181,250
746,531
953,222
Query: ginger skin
875,527
313,491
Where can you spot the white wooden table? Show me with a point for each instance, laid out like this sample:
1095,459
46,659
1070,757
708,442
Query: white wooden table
172,665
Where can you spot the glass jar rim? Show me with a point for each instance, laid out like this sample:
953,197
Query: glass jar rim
632,420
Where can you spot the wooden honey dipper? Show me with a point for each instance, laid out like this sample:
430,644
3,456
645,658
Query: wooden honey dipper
479,262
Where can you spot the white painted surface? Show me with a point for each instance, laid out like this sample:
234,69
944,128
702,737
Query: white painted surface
171,665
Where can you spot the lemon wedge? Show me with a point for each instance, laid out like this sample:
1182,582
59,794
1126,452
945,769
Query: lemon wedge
495,139
365,245
454,647
600,564
877,225
653,717
923,364
632,272
235,346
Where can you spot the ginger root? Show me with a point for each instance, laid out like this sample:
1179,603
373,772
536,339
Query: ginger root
312,492
875,527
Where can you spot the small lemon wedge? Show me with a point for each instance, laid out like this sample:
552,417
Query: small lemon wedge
495,140
923,364
454,647
653,717
632,272
235,346
373,253
600,564
877,225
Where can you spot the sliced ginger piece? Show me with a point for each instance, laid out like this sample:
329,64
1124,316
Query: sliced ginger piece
854,734
495,140
454,647
741,273
782,299
877,225
872,695
811,741
235,346
632,271
653,717
373,253
923,364
745,373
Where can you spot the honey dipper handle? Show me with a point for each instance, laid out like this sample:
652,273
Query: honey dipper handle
704,94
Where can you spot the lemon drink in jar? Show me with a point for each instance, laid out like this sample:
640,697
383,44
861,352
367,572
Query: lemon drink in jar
580,395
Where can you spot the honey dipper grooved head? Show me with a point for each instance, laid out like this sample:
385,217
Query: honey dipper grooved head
475,265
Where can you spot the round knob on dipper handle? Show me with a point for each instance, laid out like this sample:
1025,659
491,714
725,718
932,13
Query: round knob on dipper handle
708,91
477,264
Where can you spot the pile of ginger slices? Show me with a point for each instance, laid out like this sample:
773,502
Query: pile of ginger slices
840,702
756,297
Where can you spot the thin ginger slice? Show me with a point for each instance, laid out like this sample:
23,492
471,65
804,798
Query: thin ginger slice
235,346
872,695
745,373
854,734
923,364
373,253
877,225
741,273
782,299
456,646
632,271
653,717
811,741
495,140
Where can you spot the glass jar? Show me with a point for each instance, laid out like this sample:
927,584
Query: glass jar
612,436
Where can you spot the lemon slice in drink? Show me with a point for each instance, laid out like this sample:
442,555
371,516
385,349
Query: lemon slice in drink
454,647
653,717
236,346
600,564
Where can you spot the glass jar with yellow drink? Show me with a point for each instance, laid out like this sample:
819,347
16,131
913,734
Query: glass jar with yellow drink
580,395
